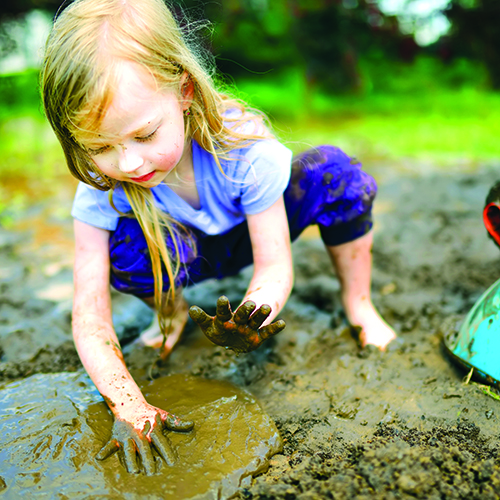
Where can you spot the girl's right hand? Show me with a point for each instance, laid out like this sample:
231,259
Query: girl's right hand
241,331
137,439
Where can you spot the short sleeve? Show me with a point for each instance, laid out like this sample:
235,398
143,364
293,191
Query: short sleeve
267,175
92,206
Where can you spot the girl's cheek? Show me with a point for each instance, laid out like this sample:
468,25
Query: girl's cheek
107,170
108,165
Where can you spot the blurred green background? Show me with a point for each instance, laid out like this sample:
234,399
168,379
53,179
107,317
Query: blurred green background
384,79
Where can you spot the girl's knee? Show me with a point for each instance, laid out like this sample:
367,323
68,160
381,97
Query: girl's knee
329,188
327,169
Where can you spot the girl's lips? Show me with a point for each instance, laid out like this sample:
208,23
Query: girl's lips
143,178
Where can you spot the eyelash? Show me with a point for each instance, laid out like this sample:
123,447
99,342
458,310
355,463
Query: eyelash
147,137
95,152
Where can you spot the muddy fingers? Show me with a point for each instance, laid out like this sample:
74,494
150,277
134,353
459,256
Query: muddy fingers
240,331
163,446
242,314
129,452
223,311
108,449
259,317
172,423
200,317
272,329
135,442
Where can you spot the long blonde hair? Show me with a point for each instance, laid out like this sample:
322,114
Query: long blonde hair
87,42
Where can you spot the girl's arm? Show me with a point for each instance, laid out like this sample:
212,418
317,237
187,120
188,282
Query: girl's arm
272,278
271,283
93,332
99,350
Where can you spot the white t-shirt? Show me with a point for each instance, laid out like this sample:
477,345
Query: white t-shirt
253,180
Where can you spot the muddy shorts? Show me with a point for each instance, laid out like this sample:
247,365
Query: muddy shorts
327,188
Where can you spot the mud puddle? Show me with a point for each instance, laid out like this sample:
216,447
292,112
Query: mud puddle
53,425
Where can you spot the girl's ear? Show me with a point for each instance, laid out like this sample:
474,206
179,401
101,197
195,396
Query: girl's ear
187,90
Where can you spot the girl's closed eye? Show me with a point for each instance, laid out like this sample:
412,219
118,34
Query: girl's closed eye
148,137
103,149
97,151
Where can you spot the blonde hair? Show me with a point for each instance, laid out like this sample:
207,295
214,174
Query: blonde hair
88,41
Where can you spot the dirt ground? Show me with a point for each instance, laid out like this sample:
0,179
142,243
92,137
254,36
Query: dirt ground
355,423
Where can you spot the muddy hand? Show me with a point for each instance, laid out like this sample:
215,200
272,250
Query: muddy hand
134,443
240,331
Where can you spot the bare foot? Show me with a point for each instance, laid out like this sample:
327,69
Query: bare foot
374,330
175,324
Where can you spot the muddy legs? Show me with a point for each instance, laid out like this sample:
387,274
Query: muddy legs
353,264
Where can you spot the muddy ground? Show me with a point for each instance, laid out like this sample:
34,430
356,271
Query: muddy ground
355,423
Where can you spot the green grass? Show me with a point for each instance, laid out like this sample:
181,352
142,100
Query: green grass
423,110
31,165
420,117
28,146
443,115
19,94
30,156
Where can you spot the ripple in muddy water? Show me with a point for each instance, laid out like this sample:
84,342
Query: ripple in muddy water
53,425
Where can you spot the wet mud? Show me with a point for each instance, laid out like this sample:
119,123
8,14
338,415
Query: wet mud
354,423
51,449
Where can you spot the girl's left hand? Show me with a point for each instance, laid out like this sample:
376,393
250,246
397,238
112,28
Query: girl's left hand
240,331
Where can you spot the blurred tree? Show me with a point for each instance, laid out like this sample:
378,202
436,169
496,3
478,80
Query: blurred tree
16,7
332,35
7,45
325,37
248,36
13,11
475,33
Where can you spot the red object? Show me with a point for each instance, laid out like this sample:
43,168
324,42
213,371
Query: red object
491,219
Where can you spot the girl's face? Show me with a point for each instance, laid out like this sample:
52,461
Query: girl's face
141,138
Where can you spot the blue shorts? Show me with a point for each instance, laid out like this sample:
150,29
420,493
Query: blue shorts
327,188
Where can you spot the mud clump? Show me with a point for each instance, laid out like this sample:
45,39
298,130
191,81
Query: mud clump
395,463
63,358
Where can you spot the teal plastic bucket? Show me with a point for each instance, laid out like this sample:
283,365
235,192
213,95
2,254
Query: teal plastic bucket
477,343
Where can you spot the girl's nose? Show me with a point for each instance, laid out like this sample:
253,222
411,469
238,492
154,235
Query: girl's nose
129,161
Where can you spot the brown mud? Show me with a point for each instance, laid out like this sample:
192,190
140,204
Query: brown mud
51,452
355,423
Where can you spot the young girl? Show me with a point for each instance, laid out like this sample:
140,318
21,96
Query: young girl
180,183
